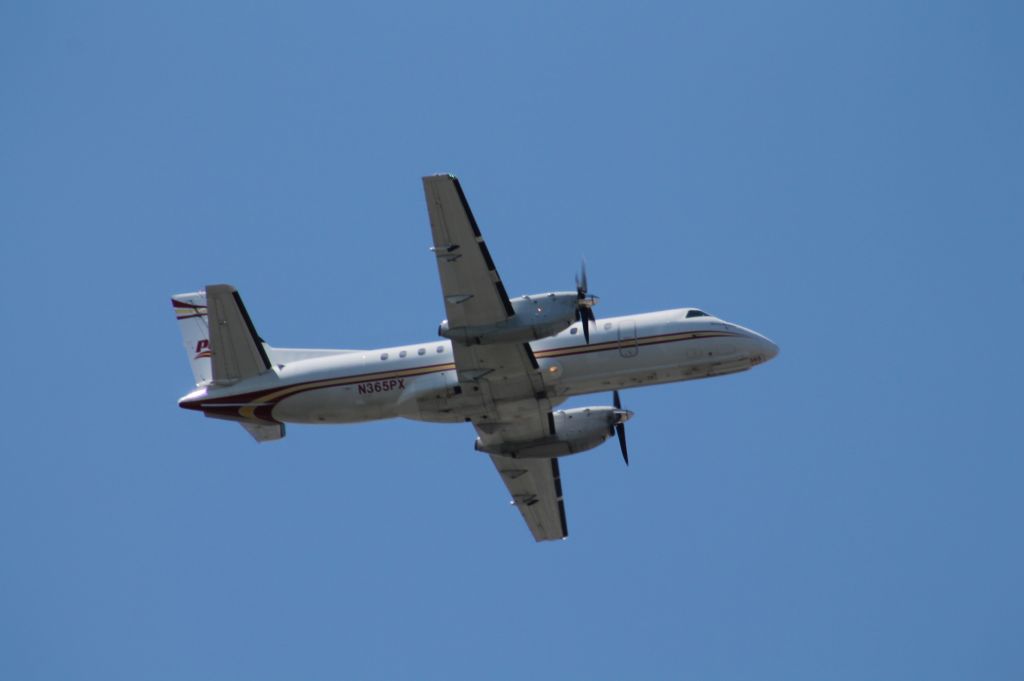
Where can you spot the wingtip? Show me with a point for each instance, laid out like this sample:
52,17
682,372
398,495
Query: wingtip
452,176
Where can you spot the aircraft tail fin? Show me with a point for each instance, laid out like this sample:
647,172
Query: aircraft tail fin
190,309
237,350
220,339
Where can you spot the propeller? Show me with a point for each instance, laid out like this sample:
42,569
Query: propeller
620,424
584,302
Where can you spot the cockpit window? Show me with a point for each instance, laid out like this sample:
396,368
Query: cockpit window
696,313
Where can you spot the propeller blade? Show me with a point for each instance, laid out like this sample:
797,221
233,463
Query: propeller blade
585,302
581,281
585,316
621,431
620,428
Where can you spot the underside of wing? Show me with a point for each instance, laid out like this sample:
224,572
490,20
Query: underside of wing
473,292
513,407
536,489
508,370
474,297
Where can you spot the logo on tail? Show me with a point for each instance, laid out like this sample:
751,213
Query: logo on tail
203,349
190,310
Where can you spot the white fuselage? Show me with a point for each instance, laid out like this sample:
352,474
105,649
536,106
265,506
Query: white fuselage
419,381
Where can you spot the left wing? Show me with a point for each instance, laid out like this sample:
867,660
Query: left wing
536,489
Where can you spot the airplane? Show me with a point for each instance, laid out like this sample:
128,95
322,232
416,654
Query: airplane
503,364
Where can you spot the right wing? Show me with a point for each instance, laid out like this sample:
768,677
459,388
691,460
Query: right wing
536,489
513,404
474,296
473,292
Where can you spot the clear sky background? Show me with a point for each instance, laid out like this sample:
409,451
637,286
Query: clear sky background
845,178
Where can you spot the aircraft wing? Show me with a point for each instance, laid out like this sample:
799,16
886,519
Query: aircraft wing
473,296
513,406
473,292
536,489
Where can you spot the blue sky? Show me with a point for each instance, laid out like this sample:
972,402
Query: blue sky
845,179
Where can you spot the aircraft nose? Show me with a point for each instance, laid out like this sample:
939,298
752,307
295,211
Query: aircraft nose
768,349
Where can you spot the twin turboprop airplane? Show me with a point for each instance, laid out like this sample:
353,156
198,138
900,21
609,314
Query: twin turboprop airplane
505,365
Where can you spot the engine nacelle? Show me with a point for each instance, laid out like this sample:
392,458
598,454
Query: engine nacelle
536,316
576,430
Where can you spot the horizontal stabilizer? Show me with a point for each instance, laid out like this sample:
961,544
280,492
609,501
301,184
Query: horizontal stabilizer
264,432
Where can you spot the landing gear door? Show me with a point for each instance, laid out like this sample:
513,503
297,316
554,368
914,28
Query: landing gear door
627,339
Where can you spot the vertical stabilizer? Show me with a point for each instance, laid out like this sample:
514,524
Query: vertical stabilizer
190,308
238,351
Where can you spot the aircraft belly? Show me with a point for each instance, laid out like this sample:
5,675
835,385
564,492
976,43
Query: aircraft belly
670,362
612,369
442,411
432,397
337,404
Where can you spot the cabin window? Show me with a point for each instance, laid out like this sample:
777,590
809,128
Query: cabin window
440,349
574,330
421,351
383,355
403,353
607,325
